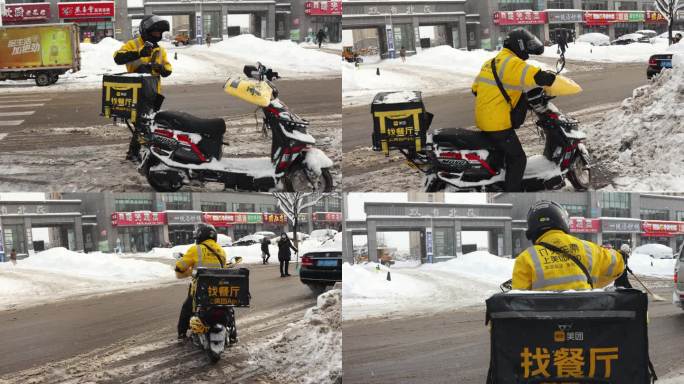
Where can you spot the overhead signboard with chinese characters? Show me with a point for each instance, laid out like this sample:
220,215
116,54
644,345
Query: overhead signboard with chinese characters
655,17
609,224
274,218
610,17
138,218
183,217
662,228
519,18
565,16
226,219
329,217
86,10
26,12
323,8
584,225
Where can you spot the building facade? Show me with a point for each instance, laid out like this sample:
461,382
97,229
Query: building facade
96,19
613,218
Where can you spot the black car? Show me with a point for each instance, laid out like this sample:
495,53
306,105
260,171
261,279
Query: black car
657,62
320,269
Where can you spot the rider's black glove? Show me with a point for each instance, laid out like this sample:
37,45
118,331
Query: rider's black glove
544,78
146,51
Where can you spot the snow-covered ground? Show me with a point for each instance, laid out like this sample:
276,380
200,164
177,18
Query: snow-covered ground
308,351
58,273
435,70
199,63
465,281
641,140
631,53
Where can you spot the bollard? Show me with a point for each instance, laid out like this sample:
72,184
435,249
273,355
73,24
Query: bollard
389,277
377,71
175,55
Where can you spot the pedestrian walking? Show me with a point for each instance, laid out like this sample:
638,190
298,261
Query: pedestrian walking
208,39
13,256
623,280
320,36
402,54
265,253
284,254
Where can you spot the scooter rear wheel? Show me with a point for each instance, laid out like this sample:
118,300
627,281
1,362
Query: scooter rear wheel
298,180
158,183
579,174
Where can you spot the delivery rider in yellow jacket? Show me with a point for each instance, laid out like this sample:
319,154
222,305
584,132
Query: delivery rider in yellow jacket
540,268
206,253
144,55
493,111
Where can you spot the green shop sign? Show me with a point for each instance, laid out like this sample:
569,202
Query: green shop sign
254,218
637,16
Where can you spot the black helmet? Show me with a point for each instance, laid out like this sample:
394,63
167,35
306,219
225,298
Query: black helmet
543,216
153,23
523,43
204,232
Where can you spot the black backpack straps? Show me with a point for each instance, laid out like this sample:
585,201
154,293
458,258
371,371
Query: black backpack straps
221,261
651,370
573,258
500,84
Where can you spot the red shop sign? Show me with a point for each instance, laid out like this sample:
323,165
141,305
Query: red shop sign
138,218
17,13
605,17
86,10
219,219
583,225
655,17
659,227
331,217
323,8
519,18
274,218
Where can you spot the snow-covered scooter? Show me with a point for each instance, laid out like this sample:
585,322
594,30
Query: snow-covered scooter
178,148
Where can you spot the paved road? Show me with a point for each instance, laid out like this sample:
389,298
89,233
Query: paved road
605,83
37,340
453,347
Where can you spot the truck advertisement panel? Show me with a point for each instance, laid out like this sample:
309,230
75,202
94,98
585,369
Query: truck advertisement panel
40,46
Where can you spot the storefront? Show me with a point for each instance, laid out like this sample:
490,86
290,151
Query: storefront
26,13
138,231
618,231
325,15
181,226
613,23
274,222
327,220
532,21
95,19
655,21
662,232
235,224
567,19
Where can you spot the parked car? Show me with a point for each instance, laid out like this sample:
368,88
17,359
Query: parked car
594,38
631,38
224,240
657,62
248,240
321,269
679,280
656,251
181,38
323,234
648,33
266,234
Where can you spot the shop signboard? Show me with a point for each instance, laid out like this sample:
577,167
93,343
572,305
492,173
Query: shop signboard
323,8
86,10
390,41
662,228
329,217
183,217
138,218
303,217
609,17
565,16
198,26
219,219
519,18
620,225
25,12
273,218
655,17
584,225
428,244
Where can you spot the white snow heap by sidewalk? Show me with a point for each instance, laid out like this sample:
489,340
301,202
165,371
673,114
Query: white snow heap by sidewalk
630,53
309,351
641,140
646,265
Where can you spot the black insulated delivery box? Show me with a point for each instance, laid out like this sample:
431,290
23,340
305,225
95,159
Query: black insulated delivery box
580,337
399,121
130,95
222,287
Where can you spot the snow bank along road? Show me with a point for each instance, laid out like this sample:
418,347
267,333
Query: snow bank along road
65,144
453,347
130,337
603,84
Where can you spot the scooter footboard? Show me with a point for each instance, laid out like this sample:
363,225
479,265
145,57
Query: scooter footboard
589,337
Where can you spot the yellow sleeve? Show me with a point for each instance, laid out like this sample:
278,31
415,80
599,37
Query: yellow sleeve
474,87
188,260
608,265
523,273
527,73
165,61
128,47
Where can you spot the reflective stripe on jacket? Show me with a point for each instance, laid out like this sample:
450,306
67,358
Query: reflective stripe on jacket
540,269
158,56
492,112
208,254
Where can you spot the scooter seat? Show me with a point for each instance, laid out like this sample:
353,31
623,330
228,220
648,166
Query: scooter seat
186,122
462,138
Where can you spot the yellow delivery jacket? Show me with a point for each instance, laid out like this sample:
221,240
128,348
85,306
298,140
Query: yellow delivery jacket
158,56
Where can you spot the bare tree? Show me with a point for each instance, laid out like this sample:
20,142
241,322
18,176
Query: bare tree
669,9
294,203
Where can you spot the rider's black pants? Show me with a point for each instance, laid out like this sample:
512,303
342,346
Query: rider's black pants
185,315
507,142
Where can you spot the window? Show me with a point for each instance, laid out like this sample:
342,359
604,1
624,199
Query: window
626,6
615,204
575,210
593,5
269,208
514,5
180,201
243,207
334,204
130,205
679,215
559,4
211,206
654,214
320,205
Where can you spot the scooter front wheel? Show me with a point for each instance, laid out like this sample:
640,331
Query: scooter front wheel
300,179
579,174
162,181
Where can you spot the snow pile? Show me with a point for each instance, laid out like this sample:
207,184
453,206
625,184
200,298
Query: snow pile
594,39
59,273
657,251
641,141
630,53
310,350
199,63
460,282
642,264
